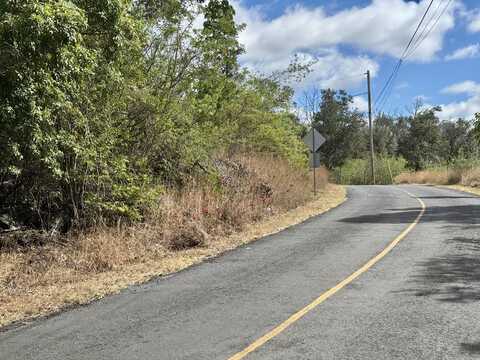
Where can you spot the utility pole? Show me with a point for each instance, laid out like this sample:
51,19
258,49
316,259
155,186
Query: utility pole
313,162
370,125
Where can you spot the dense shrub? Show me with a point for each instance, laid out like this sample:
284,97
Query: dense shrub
105,104
357,171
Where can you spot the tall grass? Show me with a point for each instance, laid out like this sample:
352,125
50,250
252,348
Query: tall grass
461,171
357,171
250,188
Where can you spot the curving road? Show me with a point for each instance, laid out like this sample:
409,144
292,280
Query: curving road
420,301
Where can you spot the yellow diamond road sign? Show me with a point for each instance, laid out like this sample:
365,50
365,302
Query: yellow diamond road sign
314,140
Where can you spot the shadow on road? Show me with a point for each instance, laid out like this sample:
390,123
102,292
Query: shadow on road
451,277
461,214
454,276
471,348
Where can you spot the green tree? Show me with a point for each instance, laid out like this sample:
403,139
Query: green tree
103,103
460,142
423,143
476,127
220,36
385,140
66,71
341,126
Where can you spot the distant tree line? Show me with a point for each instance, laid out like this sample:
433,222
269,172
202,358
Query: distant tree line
421,137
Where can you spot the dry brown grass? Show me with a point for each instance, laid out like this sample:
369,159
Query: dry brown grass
186,228
471,177
441,176
423,177
467,179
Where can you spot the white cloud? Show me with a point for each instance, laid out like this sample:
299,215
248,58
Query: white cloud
382,27
462,109
474,21
335,70
360,104
466,108
465,87
467,52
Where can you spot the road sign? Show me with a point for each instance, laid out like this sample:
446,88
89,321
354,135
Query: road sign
314,140
314,160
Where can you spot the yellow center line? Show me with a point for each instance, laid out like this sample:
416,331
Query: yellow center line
302,312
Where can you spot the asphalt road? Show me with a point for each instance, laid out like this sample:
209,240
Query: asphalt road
421,301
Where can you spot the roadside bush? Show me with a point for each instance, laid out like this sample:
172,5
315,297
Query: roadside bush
64,86
103,105
357,171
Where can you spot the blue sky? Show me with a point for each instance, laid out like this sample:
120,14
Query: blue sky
347,37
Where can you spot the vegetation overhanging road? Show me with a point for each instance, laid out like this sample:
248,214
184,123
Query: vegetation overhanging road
420,301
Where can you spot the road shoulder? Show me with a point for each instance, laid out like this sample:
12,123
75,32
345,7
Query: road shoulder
51,298
467,189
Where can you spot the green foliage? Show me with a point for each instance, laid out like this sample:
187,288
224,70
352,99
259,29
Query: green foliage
104,103
220,36
278,135
476,128
459,140
385,135
357,171
459,163
341,126
425,141
68,74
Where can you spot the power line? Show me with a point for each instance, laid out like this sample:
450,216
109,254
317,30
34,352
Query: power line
425,26
402,57
431,28
387,89
426,31
388,85
418,27
416,44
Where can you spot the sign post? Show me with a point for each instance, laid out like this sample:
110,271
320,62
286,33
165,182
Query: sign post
314,140
370,126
